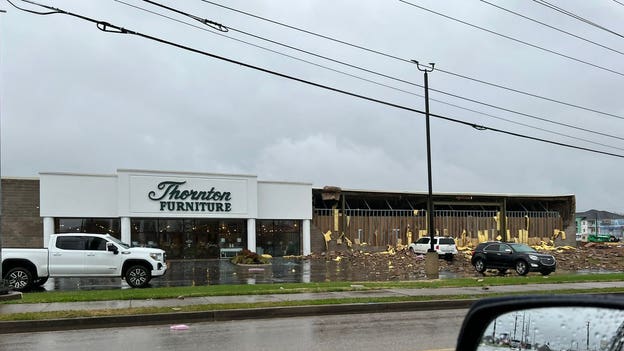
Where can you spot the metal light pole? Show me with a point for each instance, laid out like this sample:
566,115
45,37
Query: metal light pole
3,289
431,262
588,336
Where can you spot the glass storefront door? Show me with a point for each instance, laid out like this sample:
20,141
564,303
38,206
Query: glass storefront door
278,238
190,238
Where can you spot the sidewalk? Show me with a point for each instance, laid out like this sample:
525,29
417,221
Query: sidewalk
174,316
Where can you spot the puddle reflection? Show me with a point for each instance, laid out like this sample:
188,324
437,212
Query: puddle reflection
216,271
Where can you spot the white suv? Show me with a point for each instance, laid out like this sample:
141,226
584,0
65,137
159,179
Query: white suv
444,246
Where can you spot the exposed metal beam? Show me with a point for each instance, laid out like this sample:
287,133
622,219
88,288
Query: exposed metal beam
467,203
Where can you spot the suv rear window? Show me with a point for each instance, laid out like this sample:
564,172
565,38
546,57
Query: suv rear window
446,241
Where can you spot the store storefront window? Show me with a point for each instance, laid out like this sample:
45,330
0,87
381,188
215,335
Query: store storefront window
278,238
190,238
88,225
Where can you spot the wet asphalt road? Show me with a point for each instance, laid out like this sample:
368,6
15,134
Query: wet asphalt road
414,331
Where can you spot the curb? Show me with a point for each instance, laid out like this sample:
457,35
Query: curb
226,315
10,295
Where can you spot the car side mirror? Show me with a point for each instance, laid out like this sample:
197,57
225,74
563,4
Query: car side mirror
112,247
544,323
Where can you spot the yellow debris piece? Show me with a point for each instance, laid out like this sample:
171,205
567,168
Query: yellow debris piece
349,243
266,256
567,247
337,259
327,236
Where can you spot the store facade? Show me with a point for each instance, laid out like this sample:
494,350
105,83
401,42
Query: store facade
189,215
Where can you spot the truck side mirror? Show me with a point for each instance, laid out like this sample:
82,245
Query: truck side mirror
112,247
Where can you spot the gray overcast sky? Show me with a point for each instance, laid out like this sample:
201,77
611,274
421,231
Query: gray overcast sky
75,99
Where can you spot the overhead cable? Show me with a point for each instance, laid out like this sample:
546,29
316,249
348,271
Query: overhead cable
369,80
108,27
394,78
515,39
553,27
377,52
577,17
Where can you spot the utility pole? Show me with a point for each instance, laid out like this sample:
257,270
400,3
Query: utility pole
588,336
431,260
494,331
3,288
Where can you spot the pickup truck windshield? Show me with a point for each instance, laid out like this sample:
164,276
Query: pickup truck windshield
118,242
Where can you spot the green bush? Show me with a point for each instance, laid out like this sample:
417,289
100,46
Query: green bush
249,257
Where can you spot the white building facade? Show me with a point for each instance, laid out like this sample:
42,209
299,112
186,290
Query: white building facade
189,215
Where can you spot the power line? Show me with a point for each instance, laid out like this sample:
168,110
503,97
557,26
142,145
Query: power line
30,11
617,2
577,17
111,28
516,40
364,79
553,27
500,86
388,76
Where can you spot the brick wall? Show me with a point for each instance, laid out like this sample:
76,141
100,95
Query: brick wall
21,224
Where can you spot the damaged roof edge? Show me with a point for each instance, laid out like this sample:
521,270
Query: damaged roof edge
403,192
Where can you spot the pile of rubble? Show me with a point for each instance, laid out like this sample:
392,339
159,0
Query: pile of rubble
400,263
591,257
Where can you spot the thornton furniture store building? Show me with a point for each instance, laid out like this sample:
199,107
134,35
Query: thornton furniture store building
189,215
206,215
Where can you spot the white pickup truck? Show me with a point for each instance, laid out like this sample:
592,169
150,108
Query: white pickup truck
82,255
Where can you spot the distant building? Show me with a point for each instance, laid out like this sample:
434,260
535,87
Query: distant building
599,222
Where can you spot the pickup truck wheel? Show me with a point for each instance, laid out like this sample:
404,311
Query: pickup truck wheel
40,281
521,267
138,276
18,278
479,265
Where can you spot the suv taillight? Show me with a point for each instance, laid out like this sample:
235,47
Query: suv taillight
437,247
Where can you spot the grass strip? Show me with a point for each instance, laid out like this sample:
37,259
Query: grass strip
292,288
229,306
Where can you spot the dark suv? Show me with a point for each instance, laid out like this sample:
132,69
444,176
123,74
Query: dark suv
504,256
